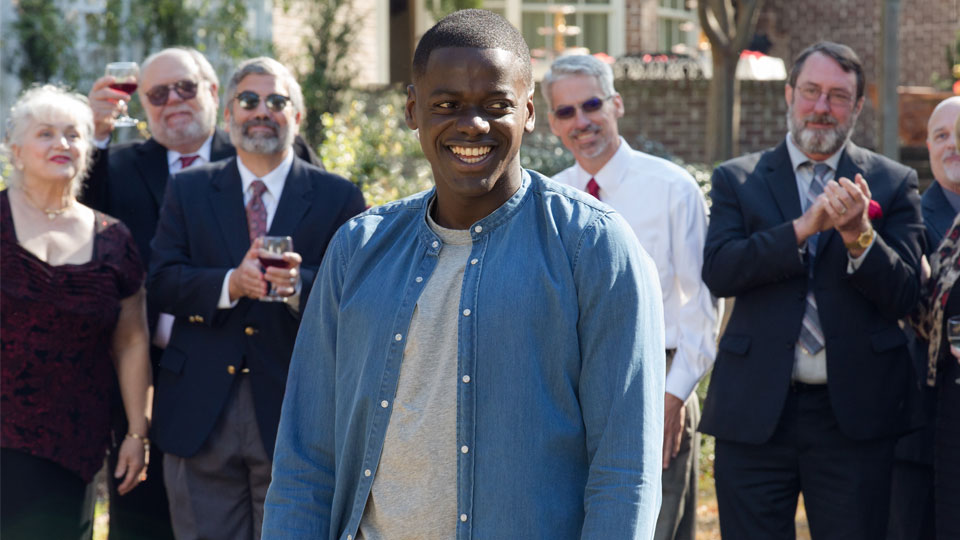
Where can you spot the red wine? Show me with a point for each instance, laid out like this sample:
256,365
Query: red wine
268,261
125,87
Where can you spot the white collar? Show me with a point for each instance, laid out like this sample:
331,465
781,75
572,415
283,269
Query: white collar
204,152
274,180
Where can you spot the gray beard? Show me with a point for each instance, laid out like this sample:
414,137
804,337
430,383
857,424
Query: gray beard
261,144
201,128
820,141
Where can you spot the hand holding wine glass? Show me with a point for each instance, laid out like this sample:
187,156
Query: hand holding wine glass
281,267
126,76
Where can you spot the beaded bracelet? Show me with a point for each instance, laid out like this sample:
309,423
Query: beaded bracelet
141,438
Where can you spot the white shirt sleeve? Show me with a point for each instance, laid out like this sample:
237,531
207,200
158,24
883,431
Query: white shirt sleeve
224,302
697,320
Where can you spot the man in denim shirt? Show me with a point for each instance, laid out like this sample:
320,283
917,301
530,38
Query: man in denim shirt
482,360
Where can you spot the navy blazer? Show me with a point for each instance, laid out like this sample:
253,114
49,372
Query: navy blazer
751,254
201,235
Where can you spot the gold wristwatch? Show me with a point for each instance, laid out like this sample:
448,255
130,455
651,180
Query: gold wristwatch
862,241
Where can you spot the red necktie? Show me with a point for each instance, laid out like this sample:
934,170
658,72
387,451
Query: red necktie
256,212
186,161
593,188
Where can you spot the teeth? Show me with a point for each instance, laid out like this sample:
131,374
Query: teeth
471,154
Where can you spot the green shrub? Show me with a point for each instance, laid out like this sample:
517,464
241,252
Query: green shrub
370,144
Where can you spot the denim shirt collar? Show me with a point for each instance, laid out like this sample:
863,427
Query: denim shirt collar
484,226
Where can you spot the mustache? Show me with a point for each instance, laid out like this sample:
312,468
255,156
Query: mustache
592,128
275,126
820,119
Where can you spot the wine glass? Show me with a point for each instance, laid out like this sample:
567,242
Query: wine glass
953,336
125,76
271,253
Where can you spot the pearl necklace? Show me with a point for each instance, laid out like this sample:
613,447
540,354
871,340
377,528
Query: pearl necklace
51,214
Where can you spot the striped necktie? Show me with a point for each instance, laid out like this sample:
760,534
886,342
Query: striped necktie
256,212
811,334
593,188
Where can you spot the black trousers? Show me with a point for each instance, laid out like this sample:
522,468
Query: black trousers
946,455
845,483
40,500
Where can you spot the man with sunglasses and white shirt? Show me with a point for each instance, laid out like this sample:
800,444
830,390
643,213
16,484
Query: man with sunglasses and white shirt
178,89
222,375
666,210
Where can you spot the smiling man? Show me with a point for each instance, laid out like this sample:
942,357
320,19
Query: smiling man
809,389
481,360
222,376
666,210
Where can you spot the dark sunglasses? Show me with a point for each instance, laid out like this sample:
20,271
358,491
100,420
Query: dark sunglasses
160,94
249,101
591,105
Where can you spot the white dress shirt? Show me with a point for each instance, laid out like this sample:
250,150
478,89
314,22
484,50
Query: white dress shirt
274,180
668,213
203,153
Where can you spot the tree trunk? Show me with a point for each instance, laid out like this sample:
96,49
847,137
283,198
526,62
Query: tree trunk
723,109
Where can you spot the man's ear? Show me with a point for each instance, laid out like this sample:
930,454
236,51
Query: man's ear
788,94
859,106
213,92
408,115
531,113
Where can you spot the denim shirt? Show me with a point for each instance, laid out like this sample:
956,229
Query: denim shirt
560,372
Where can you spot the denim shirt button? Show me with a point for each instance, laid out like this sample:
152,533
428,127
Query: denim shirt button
466,378
466,312
384,404
463,517
398,337
464,449
435,244
419,279
349,537
474,261
478,229
367,473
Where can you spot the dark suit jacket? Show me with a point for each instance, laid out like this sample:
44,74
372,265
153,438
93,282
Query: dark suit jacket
127,181
938,215
201,235
751,253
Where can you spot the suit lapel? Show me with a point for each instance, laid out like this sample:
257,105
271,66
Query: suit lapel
226,197
294,201
783,183
153,168
939,211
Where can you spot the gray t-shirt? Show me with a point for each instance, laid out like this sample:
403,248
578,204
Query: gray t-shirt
414,493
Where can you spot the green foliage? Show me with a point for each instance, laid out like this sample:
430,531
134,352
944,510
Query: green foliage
371,145
45,36
953,67
440,8
327,72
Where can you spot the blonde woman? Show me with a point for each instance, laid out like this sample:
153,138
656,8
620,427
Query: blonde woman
73,322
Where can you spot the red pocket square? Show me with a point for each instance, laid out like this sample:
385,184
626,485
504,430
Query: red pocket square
874,211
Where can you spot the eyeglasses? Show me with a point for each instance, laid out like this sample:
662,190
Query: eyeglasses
834,98
249,101
160,94
591,105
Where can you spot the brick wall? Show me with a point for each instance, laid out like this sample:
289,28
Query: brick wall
673,113
927,27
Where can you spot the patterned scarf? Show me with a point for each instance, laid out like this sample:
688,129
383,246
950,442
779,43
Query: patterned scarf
927,319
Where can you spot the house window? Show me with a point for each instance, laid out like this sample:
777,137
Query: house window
677,28
596,25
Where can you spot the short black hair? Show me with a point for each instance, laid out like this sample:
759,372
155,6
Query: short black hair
842,54
473,28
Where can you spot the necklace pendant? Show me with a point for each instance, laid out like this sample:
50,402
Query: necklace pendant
52,215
